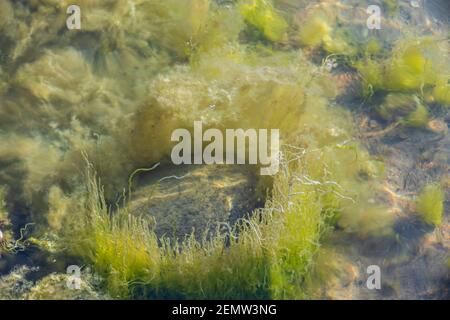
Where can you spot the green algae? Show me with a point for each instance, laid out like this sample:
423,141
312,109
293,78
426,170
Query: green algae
397,105
315,31
391,6
3,211
412,66
309,194
162,65
6,235
262,15
430,204
418,118
441,92
407,109
269,256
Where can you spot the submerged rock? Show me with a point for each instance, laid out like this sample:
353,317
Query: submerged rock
196,198
54,286
14,285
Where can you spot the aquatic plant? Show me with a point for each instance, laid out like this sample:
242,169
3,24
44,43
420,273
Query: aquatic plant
5,223
267,255
430,203
407,109
222,98
412,66
391,6
114,91
340,42
418,118
262,15
45,80
397,105
3,211
54,287
441,92
248,263
325,26
315,30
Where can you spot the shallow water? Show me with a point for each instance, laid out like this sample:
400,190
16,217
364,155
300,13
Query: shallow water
109,96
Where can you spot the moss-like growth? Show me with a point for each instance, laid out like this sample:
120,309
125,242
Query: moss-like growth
6,13
127,253
315,30
322,26
5,223
338,45
172,24
137,70
269,259
372,76
3,212
405,108
410,67
441,92
430,204
262,15
418,118
397,105
45,81
391,6
413,65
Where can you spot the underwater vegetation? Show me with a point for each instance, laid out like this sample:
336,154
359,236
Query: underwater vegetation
84,114
441,92
4,221
405,108
267,255
262,15
15,286
430,204
412,66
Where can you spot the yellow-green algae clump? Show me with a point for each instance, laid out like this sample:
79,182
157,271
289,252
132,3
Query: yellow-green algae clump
275,248
430,204
413,66
271,257
262,15
404,108
5,224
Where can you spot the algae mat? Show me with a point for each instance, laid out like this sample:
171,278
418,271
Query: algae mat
106,191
